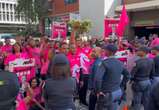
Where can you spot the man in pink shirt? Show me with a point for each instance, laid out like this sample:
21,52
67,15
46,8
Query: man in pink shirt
74,60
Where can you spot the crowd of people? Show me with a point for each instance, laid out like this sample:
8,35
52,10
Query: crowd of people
63,72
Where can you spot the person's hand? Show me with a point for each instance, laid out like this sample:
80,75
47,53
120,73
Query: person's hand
27,85
100,94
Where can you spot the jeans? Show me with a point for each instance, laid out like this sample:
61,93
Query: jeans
155,80
141,91
110,101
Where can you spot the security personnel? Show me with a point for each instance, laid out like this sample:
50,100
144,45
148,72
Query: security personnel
141,72
155,76
108,80
153,101
9,88
96,54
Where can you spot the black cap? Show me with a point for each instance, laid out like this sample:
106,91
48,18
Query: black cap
111,47
144,49
155,48
60,59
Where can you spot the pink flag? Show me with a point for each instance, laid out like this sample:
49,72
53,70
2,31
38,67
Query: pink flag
124,21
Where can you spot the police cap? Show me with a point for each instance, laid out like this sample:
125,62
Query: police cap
144,49
111,47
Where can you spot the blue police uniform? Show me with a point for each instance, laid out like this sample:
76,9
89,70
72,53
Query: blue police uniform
155,75
9,88
153,101
141,82
91,86
108,81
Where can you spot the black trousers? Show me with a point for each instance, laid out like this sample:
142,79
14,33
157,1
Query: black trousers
83,89
92,101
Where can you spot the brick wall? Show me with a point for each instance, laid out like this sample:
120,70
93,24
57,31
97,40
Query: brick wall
59,7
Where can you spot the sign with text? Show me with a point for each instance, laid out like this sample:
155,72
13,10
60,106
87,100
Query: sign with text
59,29
23,68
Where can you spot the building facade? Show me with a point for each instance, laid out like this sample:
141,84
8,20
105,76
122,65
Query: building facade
10,22
60,11
97,11
144,17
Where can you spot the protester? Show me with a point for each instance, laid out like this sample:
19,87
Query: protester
7,48
60,88
74,61
45,52
85,71
16,54
141,73
64,48
89,67
108,80
36,99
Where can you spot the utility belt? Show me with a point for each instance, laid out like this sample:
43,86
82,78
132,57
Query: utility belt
156,78
110,97
141,85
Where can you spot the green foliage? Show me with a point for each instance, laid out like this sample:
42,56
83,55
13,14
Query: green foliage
80,26
33,10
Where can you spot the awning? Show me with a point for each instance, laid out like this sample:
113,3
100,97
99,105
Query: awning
148,5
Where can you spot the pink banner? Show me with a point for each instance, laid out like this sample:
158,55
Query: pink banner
59,29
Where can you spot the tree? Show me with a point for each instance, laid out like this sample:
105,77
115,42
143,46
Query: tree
33,11
80,27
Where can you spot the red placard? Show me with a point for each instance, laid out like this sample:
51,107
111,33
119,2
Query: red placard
59,29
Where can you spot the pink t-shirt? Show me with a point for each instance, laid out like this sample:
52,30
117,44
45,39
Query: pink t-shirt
155,42
151,56
7,48
85,60
37,93
74,61
21,71
45,61
37,53
13,57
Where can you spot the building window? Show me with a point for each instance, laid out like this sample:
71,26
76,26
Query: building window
7,7
3,6
11,16
7,16
70,1
4,18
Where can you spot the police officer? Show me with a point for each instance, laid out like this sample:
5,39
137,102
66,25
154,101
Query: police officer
9,88
96,54
108,80
153,101
155,76
141,72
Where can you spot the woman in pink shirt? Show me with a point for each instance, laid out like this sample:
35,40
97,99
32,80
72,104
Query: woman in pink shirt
16,54
35,102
